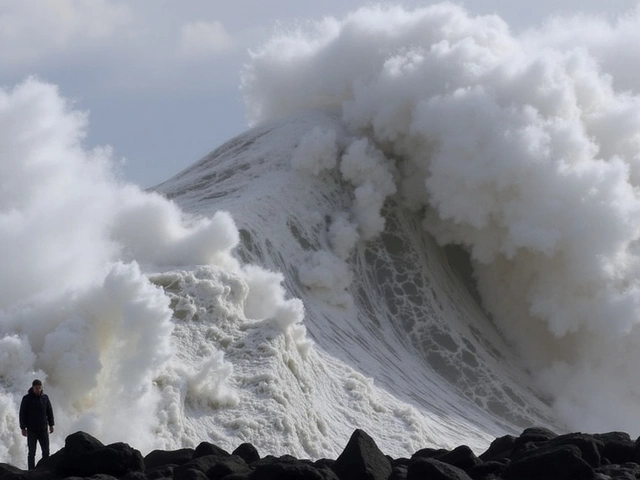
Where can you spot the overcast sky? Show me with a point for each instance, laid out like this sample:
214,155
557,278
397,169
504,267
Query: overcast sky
160,79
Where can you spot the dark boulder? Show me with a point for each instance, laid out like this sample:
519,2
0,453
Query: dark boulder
247,452
362,460
399,472
326,471
117,459
499,448
6,468
618,452
134,476
636,452
52,462
84,456
629,471
228,466
204,464
325,462
589,446
555,462
206,448
163,471
612,437
285,468
482,471
432,469
239,476
103,476
80,443
400,462
429,453
534,435
189,474
158,458
526,449
37,474
461,457
76,446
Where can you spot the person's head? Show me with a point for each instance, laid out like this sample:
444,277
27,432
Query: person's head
36,385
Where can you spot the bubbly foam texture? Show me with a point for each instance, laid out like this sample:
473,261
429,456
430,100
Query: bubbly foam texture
523,148
76,309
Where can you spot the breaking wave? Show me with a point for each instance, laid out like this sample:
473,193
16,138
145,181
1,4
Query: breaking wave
431,234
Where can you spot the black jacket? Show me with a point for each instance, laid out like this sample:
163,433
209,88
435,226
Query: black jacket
36,412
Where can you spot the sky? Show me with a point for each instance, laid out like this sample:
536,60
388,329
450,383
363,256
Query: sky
161,80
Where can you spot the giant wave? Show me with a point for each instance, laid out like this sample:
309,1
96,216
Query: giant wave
430,234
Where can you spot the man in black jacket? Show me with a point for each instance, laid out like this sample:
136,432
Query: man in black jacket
35,415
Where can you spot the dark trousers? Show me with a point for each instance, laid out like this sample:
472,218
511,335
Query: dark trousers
34,436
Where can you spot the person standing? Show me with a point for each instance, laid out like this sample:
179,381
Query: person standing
36,414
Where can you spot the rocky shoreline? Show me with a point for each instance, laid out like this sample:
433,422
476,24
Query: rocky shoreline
537,453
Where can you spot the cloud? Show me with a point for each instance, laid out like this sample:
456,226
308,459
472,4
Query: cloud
32,31
199,39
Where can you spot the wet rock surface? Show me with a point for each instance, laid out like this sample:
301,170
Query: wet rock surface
536,453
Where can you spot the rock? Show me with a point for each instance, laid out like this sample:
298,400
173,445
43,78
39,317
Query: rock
536,454
37,474
134,476
52,462
626,471
190,474
202,464
247,452
432,469
163,471
618,452
499,448
429,453
362,460
461,457
5,468
612,437
326,471
238,476
589,446
206,448
325,462
533,435
555,462
84,456
525,449
117,459
171,457
285,468
601,476
212,466
228,466
399,472
636,451
400,462
482,471
79,443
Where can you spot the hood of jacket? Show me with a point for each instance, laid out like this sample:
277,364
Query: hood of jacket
31,392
